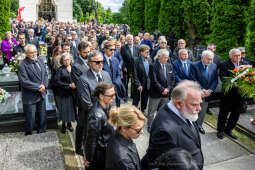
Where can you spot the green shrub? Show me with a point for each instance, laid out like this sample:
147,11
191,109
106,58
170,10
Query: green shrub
151,13
136,16
4,17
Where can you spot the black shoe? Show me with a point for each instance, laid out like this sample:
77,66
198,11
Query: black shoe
28,133
79,152
230,134
69,126
209,112
220,135
63,130
201,130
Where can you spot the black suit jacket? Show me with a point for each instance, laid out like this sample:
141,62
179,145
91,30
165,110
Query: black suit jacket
34,41
140,76
30,81
158,81
169,131
128,58
233,95
197,73
78,69
86,86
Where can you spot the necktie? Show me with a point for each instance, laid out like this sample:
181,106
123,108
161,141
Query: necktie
110,63
206,72
99,79
131,49
185,67
37,68
191,127
164,70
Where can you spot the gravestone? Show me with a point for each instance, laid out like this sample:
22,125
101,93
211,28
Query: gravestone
12,118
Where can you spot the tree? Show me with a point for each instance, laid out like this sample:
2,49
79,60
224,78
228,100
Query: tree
15,6
124,12
151,13
77,11
196,18
87,6
116,18
108,16
136,15
226,25
4,17
171,18
250,40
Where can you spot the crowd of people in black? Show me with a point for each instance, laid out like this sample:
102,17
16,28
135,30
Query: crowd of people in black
96,68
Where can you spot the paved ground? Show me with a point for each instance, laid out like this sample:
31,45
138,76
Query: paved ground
35,152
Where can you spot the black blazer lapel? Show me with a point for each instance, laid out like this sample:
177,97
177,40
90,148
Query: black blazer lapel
32,70
185,127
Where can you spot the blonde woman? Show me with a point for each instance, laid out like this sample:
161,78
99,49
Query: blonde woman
121,152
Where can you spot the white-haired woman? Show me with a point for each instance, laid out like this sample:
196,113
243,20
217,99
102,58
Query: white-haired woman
66,87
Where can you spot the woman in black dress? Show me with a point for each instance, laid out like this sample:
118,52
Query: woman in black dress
121,153
66,87
99,130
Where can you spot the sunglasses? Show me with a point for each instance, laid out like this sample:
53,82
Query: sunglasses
111,49
97,62
111,96
137,130
243,53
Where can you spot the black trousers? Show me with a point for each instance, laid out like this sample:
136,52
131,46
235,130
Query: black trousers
37,109
126,77
81,129
227,106
98,162
144,98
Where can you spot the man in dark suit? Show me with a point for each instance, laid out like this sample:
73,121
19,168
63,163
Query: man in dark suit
22,43
182,45
80,67
142,77
111,65
216,58
34,81
31,39
87,84
182,66
205,73
73,49
162,83
129,53
81,64
230,102
162,45
174,126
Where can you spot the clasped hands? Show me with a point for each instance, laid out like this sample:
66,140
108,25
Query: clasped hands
42,88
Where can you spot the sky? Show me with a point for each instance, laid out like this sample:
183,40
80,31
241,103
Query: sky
113,4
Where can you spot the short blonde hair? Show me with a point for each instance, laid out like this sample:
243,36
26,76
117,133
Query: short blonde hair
125,116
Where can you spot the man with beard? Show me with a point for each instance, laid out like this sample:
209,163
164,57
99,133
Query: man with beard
174,126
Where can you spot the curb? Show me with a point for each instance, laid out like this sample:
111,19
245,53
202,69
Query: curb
236,141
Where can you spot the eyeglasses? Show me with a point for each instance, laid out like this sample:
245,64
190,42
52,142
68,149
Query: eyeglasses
97,62
137,130
111,96
111,49
243,53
